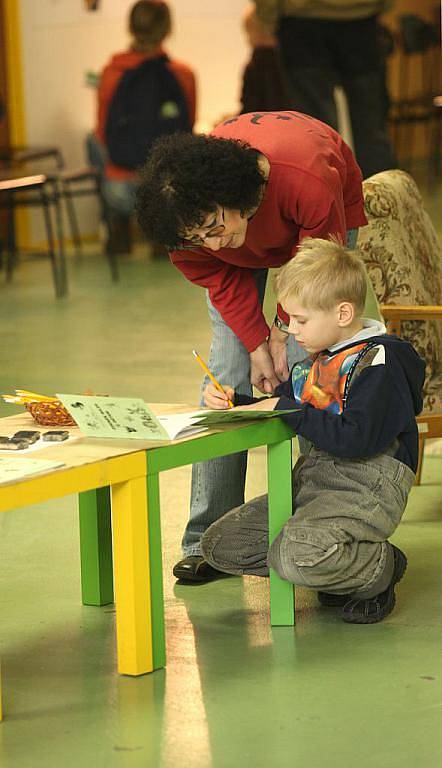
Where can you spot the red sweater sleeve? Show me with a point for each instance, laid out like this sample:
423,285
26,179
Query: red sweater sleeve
232,291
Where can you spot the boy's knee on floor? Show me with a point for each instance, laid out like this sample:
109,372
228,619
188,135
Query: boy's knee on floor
221,547
274,556
304,554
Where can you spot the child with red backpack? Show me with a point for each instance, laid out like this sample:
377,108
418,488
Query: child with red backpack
142,94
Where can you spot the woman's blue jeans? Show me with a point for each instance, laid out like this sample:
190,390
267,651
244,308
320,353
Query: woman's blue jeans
218,485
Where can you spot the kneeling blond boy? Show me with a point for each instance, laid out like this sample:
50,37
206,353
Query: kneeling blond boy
358,392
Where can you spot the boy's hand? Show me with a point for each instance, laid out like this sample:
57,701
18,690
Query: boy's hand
217,400
264,405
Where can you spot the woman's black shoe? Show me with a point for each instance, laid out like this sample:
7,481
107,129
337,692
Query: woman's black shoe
195,568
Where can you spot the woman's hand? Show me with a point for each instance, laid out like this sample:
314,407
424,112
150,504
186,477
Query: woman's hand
278,350
217,400
262,372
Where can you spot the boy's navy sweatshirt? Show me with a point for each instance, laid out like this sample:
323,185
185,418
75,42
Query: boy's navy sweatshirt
383,398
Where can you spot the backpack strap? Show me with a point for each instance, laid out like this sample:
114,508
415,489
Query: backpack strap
354,365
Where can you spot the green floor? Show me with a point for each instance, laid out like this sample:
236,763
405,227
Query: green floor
234,691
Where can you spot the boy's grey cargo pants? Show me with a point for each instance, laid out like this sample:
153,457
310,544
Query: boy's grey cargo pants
344,510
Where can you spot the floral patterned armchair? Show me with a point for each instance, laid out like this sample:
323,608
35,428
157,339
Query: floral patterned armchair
403,258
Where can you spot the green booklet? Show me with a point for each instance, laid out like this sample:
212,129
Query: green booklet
212,418
126,417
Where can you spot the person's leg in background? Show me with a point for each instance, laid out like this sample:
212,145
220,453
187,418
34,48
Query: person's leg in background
218,485
311,55
360,65
386,43
319,54
96,153
309,67
119,199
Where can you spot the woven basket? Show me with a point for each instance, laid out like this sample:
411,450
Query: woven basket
52,414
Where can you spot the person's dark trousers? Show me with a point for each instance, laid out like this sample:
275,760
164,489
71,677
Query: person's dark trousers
318,55
119,233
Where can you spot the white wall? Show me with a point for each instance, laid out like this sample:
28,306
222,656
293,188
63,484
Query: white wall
62,41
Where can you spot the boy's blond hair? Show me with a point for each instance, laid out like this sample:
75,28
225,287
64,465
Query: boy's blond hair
322,274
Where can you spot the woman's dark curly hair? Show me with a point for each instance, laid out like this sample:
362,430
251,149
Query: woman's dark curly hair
186,177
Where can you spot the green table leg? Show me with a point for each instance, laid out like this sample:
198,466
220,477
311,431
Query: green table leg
96,547
156,572
279,466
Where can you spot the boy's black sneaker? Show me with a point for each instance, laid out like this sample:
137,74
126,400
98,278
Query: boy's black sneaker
376,608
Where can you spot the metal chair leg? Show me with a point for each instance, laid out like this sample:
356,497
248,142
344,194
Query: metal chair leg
65,191
51,240
60,238
110,247
11,257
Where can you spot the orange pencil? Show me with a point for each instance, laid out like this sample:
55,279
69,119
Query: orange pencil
210,375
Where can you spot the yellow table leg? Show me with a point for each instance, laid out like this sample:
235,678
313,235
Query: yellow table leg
1,708
132,587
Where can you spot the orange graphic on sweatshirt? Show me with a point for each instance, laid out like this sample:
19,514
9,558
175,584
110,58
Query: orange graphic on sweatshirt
325,384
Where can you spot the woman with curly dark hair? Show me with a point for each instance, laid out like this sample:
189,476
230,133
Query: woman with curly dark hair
229,206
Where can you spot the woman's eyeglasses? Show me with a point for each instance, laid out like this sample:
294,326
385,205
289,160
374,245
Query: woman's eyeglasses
213,232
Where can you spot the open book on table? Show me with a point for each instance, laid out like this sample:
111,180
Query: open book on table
124,417
185,424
